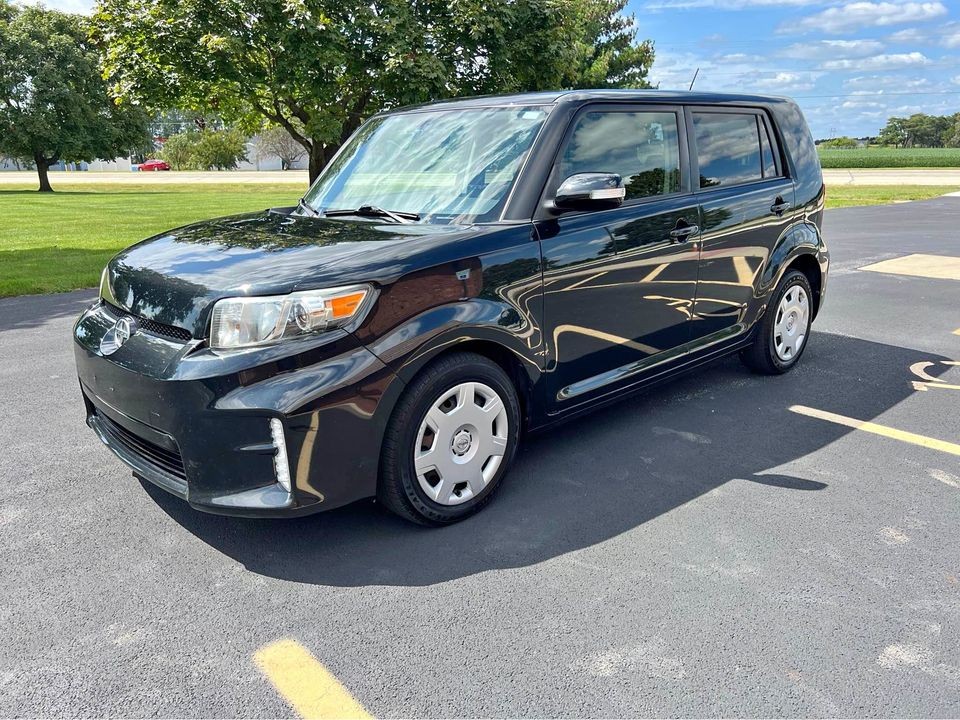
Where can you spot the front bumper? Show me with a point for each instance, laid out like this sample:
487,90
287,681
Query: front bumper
198,425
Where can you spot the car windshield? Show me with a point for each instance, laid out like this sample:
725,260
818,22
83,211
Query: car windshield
447,166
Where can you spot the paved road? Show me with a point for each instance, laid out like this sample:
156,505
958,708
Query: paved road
893,176
700,550
880,176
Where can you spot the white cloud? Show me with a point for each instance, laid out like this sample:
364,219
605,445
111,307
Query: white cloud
951,39
788,82
878,62
956,80
818,49
863,14
873,83
736,58
857,104
910,35
945,34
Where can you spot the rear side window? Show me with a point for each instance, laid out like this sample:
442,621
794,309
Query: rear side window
642,147
728,148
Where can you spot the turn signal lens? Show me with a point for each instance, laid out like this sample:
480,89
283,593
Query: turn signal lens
346,305
252,321
281,467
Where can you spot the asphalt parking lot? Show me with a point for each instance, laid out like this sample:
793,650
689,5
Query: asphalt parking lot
724,545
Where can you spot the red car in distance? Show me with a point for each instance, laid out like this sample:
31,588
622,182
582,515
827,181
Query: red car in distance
153,165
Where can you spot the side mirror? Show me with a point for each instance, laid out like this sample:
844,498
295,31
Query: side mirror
589,190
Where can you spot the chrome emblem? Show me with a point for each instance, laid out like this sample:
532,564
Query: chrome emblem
116,336
123,330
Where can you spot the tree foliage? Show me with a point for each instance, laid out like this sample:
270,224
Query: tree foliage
319,67
54,103
921,130
843,142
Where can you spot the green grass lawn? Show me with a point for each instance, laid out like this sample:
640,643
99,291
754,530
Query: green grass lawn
61,241
51,242
889,157
853,195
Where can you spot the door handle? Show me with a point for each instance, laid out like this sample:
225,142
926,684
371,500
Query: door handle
779,206
681,234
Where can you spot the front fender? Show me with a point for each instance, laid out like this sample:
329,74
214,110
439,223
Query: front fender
410,346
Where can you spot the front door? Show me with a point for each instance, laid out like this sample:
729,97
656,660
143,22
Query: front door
619,284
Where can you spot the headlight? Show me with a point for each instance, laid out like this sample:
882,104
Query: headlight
251,321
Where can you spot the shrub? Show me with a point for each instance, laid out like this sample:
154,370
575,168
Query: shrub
177,151
840,142
205,150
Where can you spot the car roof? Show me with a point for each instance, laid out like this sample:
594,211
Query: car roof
557,97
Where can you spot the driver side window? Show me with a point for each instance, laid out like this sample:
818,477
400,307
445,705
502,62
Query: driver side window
642,147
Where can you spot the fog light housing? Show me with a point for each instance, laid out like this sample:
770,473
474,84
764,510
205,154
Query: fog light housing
281,467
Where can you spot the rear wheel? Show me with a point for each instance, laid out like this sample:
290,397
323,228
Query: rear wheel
785,328
450,440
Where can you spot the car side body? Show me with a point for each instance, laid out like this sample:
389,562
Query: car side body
578,308
153,165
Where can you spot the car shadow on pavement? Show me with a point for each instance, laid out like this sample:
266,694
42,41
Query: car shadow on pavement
594,478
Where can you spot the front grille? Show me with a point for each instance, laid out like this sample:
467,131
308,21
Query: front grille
151,326
160,458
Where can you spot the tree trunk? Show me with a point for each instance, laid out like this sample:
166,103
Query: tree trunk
42,166
318,159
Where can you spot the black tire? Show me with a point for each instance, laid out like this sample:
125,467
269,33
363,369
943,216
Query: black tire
398,488
761,356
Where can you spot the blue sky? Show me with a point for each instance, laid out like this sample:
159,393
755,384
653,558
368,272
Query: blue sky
851,65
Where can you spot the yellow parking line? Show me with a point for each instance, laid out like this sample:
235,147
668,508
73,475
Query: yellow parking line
957,331
889,432
310,689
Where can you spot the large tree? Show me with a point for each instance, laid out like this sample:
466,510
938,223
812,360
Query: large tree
54,103
318,68
922,130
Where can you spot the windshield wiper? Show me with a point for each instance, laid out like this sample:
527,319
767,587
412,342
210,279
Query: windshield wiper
374,211
301,205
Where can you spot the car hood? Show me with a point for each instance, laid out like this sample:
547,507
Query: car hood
174,278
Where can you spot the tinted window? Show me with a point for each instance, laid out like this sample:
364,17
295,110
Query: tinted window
766,150
642,147
728,148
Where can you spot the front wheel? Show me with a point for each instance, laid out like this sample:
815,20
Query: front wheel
450,440
784,331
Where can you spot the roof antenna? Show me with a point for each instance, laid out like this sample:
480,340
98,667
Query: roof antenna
694,80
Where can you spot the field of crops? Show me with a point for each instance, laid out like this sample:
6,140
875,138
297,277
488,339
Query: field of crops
888,157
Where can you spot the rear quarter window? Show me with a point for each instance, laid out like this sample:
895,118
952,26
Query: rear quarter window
728,148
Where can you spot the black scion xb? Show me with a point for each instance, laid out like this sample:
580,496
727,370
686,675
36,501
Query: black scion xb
461,272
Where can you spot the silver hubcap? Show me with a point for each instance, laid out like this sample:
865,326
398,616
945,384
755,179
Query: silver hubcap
461,443
792,323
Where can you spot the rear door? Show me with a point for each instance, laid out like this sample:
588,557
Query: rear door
746,203
618,288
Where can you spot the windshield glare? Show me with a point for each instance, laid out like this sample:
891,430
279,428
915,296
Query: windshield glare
448,166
